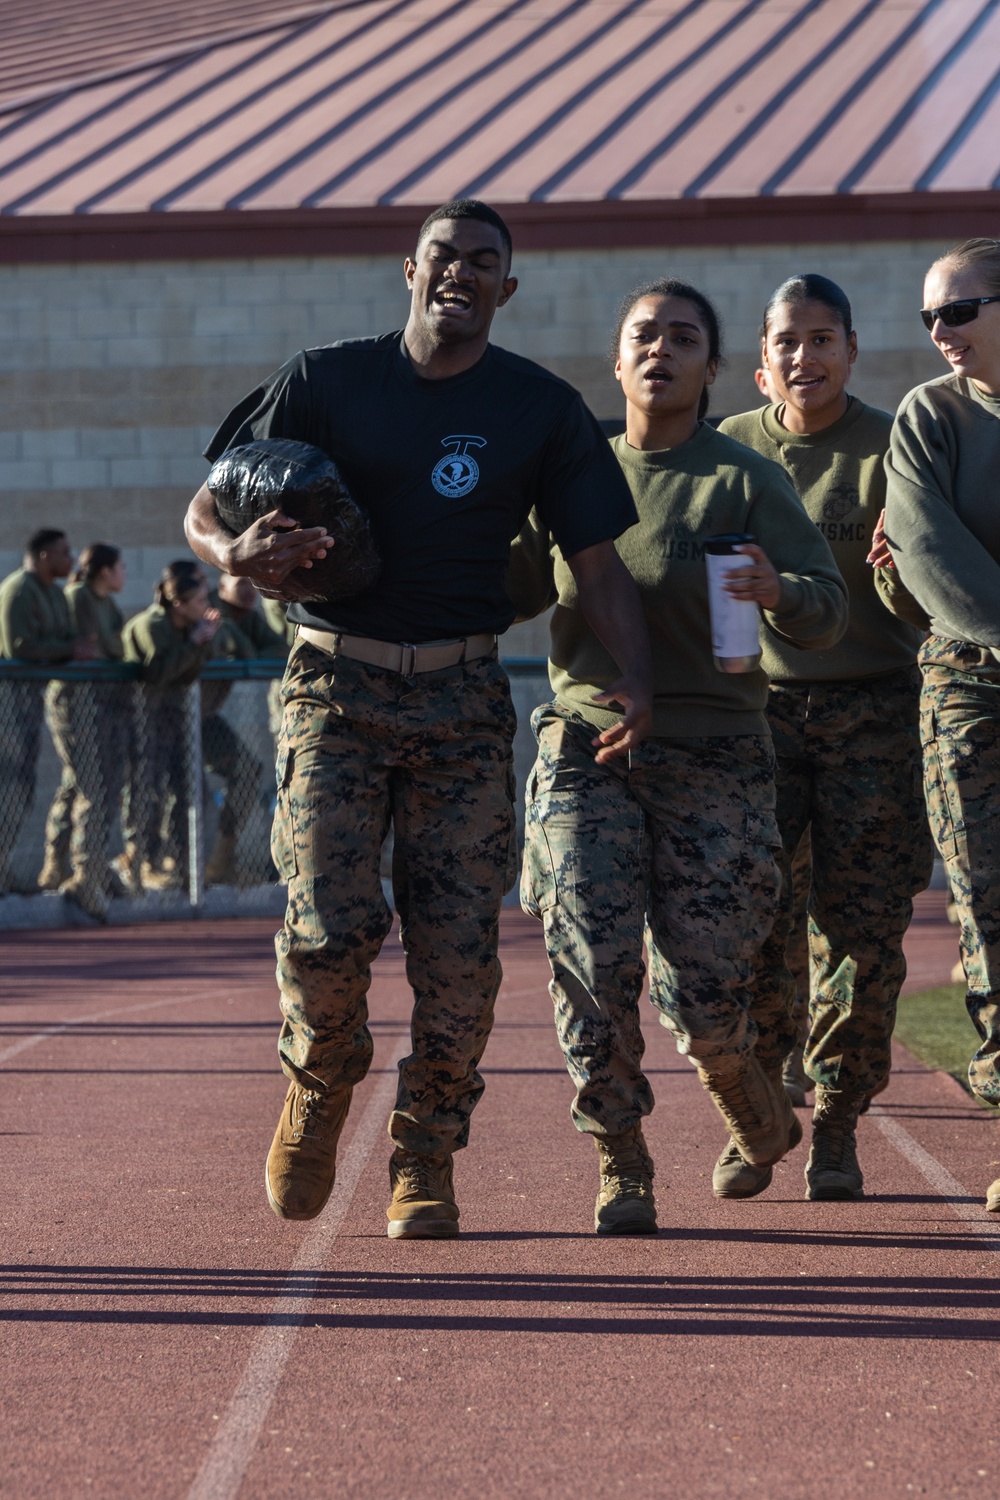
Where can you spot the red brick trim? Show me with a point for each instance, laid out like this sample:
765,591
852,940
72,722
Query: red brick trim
536,226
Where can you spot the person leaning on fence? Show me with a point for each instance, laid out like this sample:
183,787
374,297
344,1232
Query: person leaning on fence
243,635
397,711
171,641
844,725
35,627
89,723
942,522
680,840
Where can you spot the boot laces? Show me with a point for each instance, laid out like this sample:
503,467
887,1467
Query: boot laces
627,1169
417,1175
833,1150
311,1118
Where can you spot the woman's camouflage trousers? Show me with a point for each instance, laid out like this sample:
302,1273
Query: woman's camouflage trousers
848,769
960,729
362,748
678,843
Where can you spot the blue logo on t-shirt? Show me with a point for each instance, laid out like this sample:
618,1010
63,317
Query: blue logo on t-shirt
457,474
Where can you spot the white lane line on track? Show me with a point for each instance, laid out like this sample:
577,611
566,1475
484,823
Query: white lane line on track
103,1015
233,1445
938,1176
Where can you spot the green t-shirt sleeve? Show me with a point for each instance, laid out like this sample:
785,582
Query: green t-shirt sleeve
946,568
530,577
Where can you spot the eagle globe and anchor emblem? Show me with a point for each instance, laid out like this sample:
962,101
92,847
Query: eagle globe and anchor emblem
457,474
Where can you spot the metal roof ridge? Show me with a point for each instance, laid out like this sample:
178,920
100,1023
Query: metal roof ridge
172,54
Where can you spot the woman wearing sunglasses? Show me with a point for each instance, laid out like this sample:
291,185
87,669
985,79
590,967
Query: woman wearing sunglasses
943,528
844,723
680,839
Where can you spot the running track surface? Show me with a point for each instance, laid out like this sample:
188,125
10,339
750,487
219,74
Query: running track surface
164,1335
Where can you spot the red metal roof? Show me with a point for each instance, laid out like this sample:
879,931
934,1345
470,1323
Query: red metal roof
394,102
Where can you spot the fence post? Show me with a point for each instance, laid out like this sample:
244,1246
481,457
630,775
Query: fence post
194,781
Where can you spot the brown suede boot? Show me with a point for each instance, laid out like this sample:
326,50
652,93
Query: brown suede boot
756,1114
796,1080
87,894
625,1203
993,1197
302,1162
832,1171
735,1177
53,872
423,1203
221,866
167,878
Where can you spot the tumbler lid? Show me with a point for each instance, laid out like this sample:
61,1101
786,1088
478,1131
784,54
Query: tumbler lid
727,541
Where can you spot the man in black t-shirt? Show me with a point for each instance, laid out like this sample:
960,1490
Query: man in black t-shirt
396,708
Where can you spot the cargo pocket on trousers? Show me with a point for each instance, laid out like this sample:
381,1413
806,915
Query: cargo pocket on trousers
283,829
941,797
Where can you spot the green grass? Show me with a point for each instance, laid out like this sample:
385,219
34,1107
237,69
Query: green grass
934,1025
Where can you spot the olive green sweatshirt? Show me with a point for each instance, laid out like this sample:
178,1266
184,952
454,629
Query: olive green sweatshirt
840,479
34,619
684,495
167,657
942,514
96,618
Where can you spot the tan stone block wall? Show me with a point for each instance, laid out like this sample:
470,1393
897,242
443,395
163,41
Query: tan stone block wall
112,377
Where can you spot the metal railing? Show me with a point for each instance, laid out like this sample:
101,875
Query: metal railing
130,803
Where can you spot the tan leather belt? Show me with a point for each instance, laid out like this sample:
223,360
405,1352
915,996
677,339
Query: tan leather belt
400,657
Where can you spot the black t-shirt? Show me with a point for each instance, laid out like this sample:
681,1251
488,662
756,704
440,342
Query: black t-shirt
448,471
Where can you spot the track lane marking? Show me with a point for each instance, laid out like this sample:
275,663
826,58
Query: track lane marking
236,1438
102,1015
938,1176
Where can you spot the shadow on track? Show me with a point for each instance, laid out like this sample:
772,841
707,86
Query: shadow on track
911,1308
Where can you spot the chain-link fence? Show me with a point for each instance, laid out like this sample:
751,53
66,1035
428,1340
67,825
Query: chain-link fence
123,803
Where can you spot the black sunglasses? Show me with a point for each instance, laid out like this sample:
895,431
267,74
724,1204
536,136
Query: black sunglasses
953,314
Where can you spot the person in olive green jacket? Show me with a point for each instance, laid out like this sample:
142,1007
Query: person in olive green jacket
35,626
680,839
942,522
844,723
171,641
89,724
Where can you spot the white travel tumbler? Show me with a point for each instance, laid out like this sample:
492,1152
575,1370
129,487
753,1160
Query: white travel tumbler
735,622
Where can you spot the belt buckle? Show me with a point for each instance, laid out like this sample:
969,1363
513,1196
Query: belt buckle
407,660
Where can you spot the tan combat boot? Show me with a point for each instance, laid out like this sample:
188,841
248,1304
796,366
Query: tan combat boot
733,1176
167,878
87,894
625,1203
221,866
832,1171
796,1080
302,1162
993,1197
757,1115
423,1203
53,872
125,871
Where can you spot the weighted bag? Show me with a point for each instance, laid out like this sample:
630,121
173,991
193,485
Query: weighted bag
277,474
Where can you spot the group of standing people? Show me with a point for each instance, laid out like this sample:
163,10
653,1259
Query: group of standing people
669,799
119,753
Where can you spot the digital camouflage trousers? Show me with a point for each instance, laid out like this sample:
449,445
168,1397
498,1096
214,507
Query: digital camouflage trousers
960,729
363,749
677,845
89,723
848,770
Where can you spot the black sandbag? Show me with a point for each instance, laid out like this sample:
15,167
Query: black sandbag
277,474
